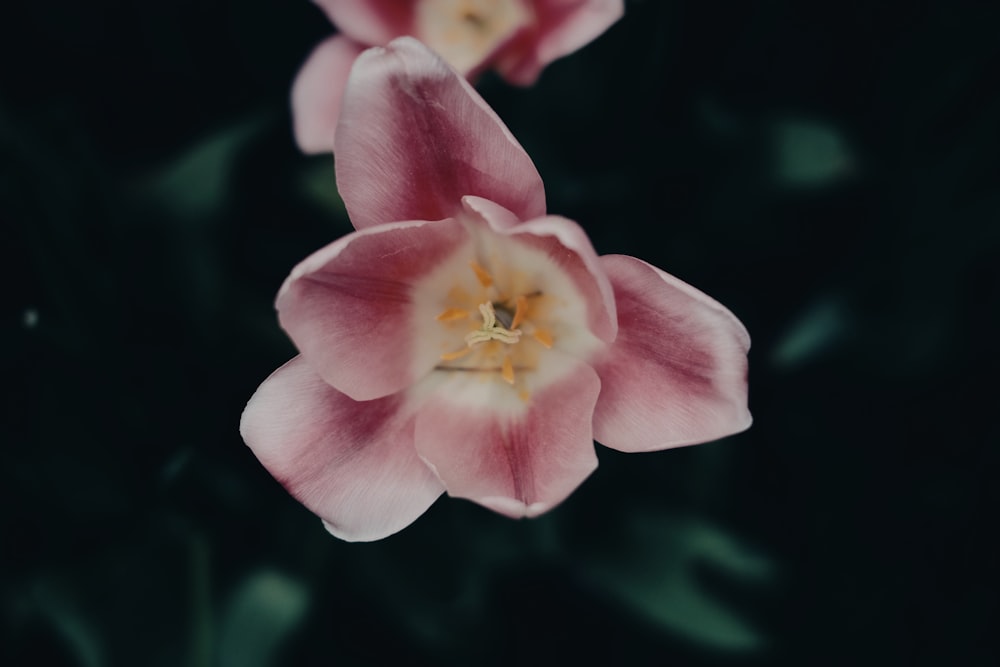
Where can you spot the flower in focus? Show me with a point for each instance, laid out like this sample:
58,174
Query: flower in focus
517,38
463,341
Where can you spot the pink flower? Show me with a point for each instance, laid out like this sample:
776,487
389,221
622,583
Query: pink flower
463,341
517,38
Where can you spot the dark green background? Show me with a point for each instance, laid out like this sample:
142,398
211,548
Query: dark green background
828,170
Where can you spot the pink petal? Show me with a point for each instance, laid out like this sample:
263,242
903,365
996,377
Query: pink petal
351,463
348,308
492,213
371,22
677,373
519,462
414,138
318,90
568,246
563,27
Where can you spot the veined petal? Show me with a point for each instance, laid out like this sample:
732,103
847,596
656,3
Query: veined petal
494,214
563,26
370,22
352,463
414,138
548,262
348,307
517,458
677,373
567,245
318,90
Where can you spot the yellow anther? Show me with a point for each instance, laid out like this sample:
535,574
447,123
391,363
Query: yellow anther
484,277
452,314
521,310
457,354
507,370
543,337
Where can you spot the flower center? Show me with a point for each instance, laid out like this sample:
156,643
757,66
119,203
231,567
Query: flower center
495,344
491,329
466,32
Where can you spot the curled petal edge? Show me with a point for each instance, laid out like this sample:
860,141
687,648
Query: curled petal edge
677,373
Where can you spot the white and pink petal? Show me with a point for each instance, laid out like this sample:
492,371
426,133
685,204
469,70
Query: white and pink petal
515,456
414,138
566,261
351,463
567,247
349,307
318,91
677,373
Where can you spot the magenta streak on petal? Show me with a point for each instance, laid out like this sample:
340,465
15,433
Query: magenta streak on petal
348,306
519,463
677,373
510,459
351,463
567,245
414,138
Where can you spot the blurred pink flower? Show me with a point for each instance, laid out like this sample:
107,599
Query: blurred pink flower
517,38
462,340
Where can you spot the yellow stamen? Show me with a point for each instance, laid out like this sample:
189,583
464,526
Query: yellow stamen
520,312
484,277
507,370
457,354
543,337
452,314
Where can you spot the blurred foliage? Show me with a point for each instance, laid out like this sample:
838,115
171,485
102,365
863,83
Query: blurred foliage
658,571
809,154
826,170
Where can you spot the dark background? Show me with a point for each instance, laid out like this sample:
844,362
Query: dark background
827,170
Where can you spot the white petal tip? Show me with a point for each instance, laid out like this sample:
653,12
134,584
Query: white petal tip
515,509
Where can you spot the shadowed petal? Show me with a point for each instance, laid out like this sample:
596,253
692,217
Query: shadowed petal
414,138
351,463
567,245
677,373
520,459
348,307
563,27
493,214
318,90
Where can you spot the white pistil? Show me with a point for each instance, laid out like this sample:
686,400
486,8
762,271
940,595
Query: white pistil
491,330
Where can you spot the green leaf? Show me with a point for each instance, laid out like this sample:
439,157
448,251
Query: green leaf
197,182
809,154
655,571
815,330
259,617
